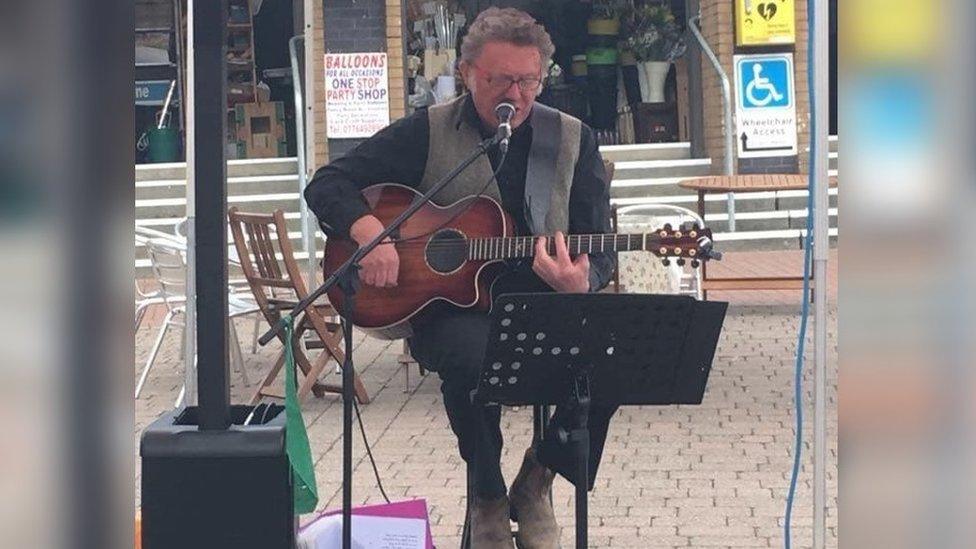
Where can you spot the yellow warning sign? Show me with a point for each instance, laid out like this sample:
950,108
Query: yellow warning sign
763,22
892,30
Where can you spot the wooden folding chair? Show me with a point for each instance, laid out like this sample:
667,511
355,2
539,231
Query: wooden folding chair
262,252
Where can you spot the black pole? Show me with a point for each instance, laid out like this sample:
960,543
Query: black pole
582,439
348,394
210,193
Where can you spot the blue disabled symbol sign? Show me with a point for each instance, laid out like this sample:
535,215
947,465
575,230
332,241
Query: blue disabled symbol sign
764,82
765,105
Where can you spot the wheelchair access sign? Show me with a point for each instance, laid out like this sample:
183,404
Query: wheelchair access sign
765,105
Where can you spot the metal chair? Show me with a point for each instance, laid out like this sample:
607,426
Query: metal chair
178,238
168,264
144,300
646,218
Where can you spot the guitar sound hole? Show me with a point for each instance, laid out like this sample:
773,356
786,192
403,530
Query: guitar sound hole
446,251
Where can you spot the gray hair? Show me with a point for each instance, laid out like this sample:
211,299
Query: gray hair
506,25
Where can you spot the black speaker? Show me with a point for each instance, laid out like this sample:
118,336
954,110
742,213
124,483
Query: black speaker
217,489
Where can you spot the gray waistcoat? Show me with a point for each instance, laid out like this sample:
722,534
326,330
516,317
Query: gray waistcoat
549,174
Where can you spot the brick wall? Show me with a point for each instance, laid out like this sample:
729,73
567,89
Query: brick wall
774,164
320,145
394,51
718,28
802,86
353,26
153,13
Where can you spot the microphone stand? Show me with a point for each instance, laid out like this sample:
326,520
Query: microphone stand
347,277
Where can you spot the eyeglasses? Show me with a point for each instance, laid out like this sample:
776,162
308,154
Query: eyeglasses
502,82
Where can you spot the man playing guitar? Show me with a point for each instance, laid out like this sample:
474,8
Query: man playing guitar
552,182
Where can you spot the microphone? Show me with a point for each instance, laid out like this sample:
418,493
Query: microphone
504,112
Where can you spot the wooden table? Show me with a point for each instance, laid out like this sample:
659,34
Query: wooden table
747,184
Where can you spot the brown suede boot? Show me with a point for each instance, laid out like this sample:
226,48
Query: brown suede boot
537,528
490,528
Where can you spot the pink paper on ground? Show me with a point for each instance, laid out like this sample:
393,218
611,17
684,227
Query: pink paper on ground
413,508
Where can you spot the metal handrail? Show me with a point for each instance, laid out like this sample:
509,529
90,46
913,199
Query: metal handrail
308,231
726,106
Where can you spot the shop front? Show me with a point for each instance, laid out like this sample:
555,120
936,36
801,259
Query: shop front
258,79
618,64
634,71
631,69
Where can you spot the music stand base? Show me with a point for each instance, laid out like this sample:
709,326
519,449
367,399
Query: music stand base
580,438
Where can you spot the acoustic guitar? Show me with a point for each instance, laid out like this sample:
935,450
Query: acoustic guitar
456,253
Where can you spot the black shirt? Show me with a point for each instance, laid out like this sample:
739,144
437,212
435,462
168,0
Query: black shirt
398,154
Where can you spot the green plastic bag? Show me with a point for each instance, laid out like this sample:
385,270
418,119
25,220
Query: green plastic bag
296,438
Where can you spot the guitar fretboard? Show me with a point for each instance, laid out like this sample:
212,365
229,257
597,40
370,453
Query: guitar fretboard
524,246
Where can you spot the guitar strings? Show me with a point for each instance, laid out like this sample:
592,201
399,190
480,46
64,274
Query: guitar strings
498,244
493,248
574,240
496,247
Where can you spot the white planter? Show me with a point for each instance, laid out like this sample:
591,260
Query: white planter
652,76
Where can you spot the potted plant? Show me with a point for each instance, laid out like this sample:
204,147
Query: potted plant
603,26
605,17
602,57
655,38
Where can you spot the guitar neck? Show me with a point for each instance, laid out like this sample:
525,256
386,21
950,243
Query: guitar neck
524,246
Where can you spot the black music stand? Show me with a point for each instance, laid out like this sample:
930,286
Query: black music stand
612,349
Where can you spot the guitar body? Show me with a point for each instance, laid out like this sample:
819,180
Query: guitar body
425,273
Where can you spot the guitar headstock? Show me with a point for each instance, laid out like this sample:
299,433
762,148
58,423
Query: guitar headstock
688,242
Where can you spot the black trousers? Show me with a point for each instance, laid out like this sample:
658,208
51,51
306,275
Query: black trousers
452,342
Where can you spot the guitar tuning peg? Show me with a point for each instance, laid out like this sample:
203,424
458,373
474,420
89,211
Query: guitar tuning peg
695,263
681,262
666,262
667,227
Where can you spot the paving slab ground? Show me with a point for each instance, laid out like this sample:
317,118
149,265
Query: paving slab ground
714,475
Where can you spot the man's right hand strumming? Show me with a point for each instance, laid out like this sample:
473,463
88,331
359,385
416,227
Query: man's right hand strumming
380,266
